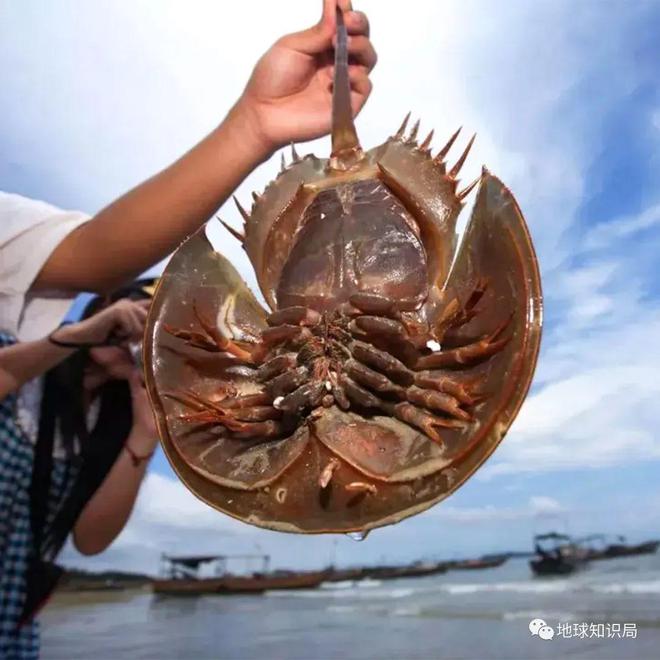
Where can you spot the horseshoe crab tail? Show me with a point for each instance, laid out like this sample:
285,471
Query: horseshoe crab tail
346,149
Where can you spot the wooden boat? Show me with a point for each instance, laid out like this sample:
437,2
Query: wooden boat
418,569
238,584
183,577
345,574
557,554
623,550
601,549
476,564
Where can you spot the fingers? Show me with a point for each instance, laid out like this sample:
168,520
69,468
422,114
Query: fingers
318,38
129,326
356,23
130,318
144,304
361,51
328,16
360,88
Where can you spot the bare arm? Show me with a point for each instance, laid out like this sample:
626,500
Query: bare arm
147,223
107,512
288,99
22,362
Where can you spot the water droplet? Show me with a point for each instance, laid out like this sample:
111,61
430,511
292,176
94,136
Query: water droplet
358,536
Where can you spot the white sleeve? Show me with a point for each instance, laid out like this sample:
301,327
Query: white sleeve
29,232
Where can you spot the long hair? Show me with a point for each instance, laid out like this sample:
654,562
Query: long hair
63,408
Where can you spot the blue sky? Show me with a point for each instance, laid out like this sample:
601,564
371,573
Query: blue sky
565,99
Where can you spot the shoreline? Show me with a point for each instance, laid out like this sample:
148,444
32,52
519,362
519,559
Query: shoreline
74,598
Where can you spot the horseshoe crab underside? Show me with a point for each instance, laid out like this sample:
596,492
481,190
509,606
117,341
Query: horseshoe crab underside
391,362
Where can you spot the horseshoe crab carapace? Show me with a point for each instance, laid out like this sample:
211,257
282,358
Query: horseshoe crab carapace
391,362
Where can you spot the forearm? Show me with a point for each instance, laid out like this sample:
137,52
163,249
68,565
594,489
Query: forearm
22,362
105,515
149,222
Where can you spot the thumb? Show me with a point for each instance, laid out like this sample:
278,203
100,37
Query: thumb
328,17
318,38
330,11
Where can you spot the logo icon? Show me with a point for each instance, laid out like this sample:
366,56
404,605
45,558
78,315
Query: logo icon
546,632
541,629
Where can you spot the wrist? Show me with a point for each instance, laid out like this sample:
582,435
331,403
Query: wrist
69,332
142,442
138,458
243,126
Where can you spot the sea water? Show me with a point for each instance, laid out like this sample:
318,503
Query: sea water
461,614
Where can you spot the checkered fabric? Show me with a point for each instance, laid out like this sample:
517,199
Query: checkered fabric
16,458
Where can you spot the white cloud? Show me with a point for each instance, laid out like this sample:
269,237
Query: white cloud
595,403
164,501
603,234
537,505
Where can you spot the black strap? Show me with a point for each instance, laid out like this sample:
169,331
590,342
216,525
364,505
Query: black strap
113,339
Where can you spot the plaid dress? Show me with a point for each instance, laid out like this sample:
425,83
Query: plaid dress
16,459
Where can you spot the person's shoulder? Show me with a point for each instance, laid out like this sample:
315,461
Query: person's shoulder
12,202
19,214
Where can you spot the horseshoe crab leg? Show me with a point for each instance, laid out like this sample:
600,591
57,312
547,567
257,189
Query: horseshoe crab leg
469,354
211,339
431,399
389,328
286,382
457,315
294,316
406,412
434,400
372,379
381,360
276,366
442,383
307,395
373,303
246,415
284,333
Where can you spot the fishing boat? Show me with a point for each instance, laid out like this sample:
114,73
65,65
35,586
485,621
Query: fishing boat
345,574
557,554
417,569
475,564
182,577
600,546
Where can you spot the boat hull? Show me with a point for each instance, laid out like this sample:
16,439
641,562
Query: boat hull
236,584
553,566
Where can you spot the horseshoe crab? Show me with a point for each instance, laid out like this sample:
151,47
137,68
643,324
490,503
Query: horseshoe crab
392,360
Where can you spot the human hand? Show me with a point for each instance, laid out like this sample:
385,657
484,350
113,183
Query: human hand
124,319
289,95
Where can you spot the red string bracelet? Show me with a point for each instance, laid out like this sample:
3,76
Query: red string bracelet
136,459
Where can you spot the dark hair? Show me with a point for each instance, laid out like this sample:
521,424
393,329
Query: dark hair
63,408
100,446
